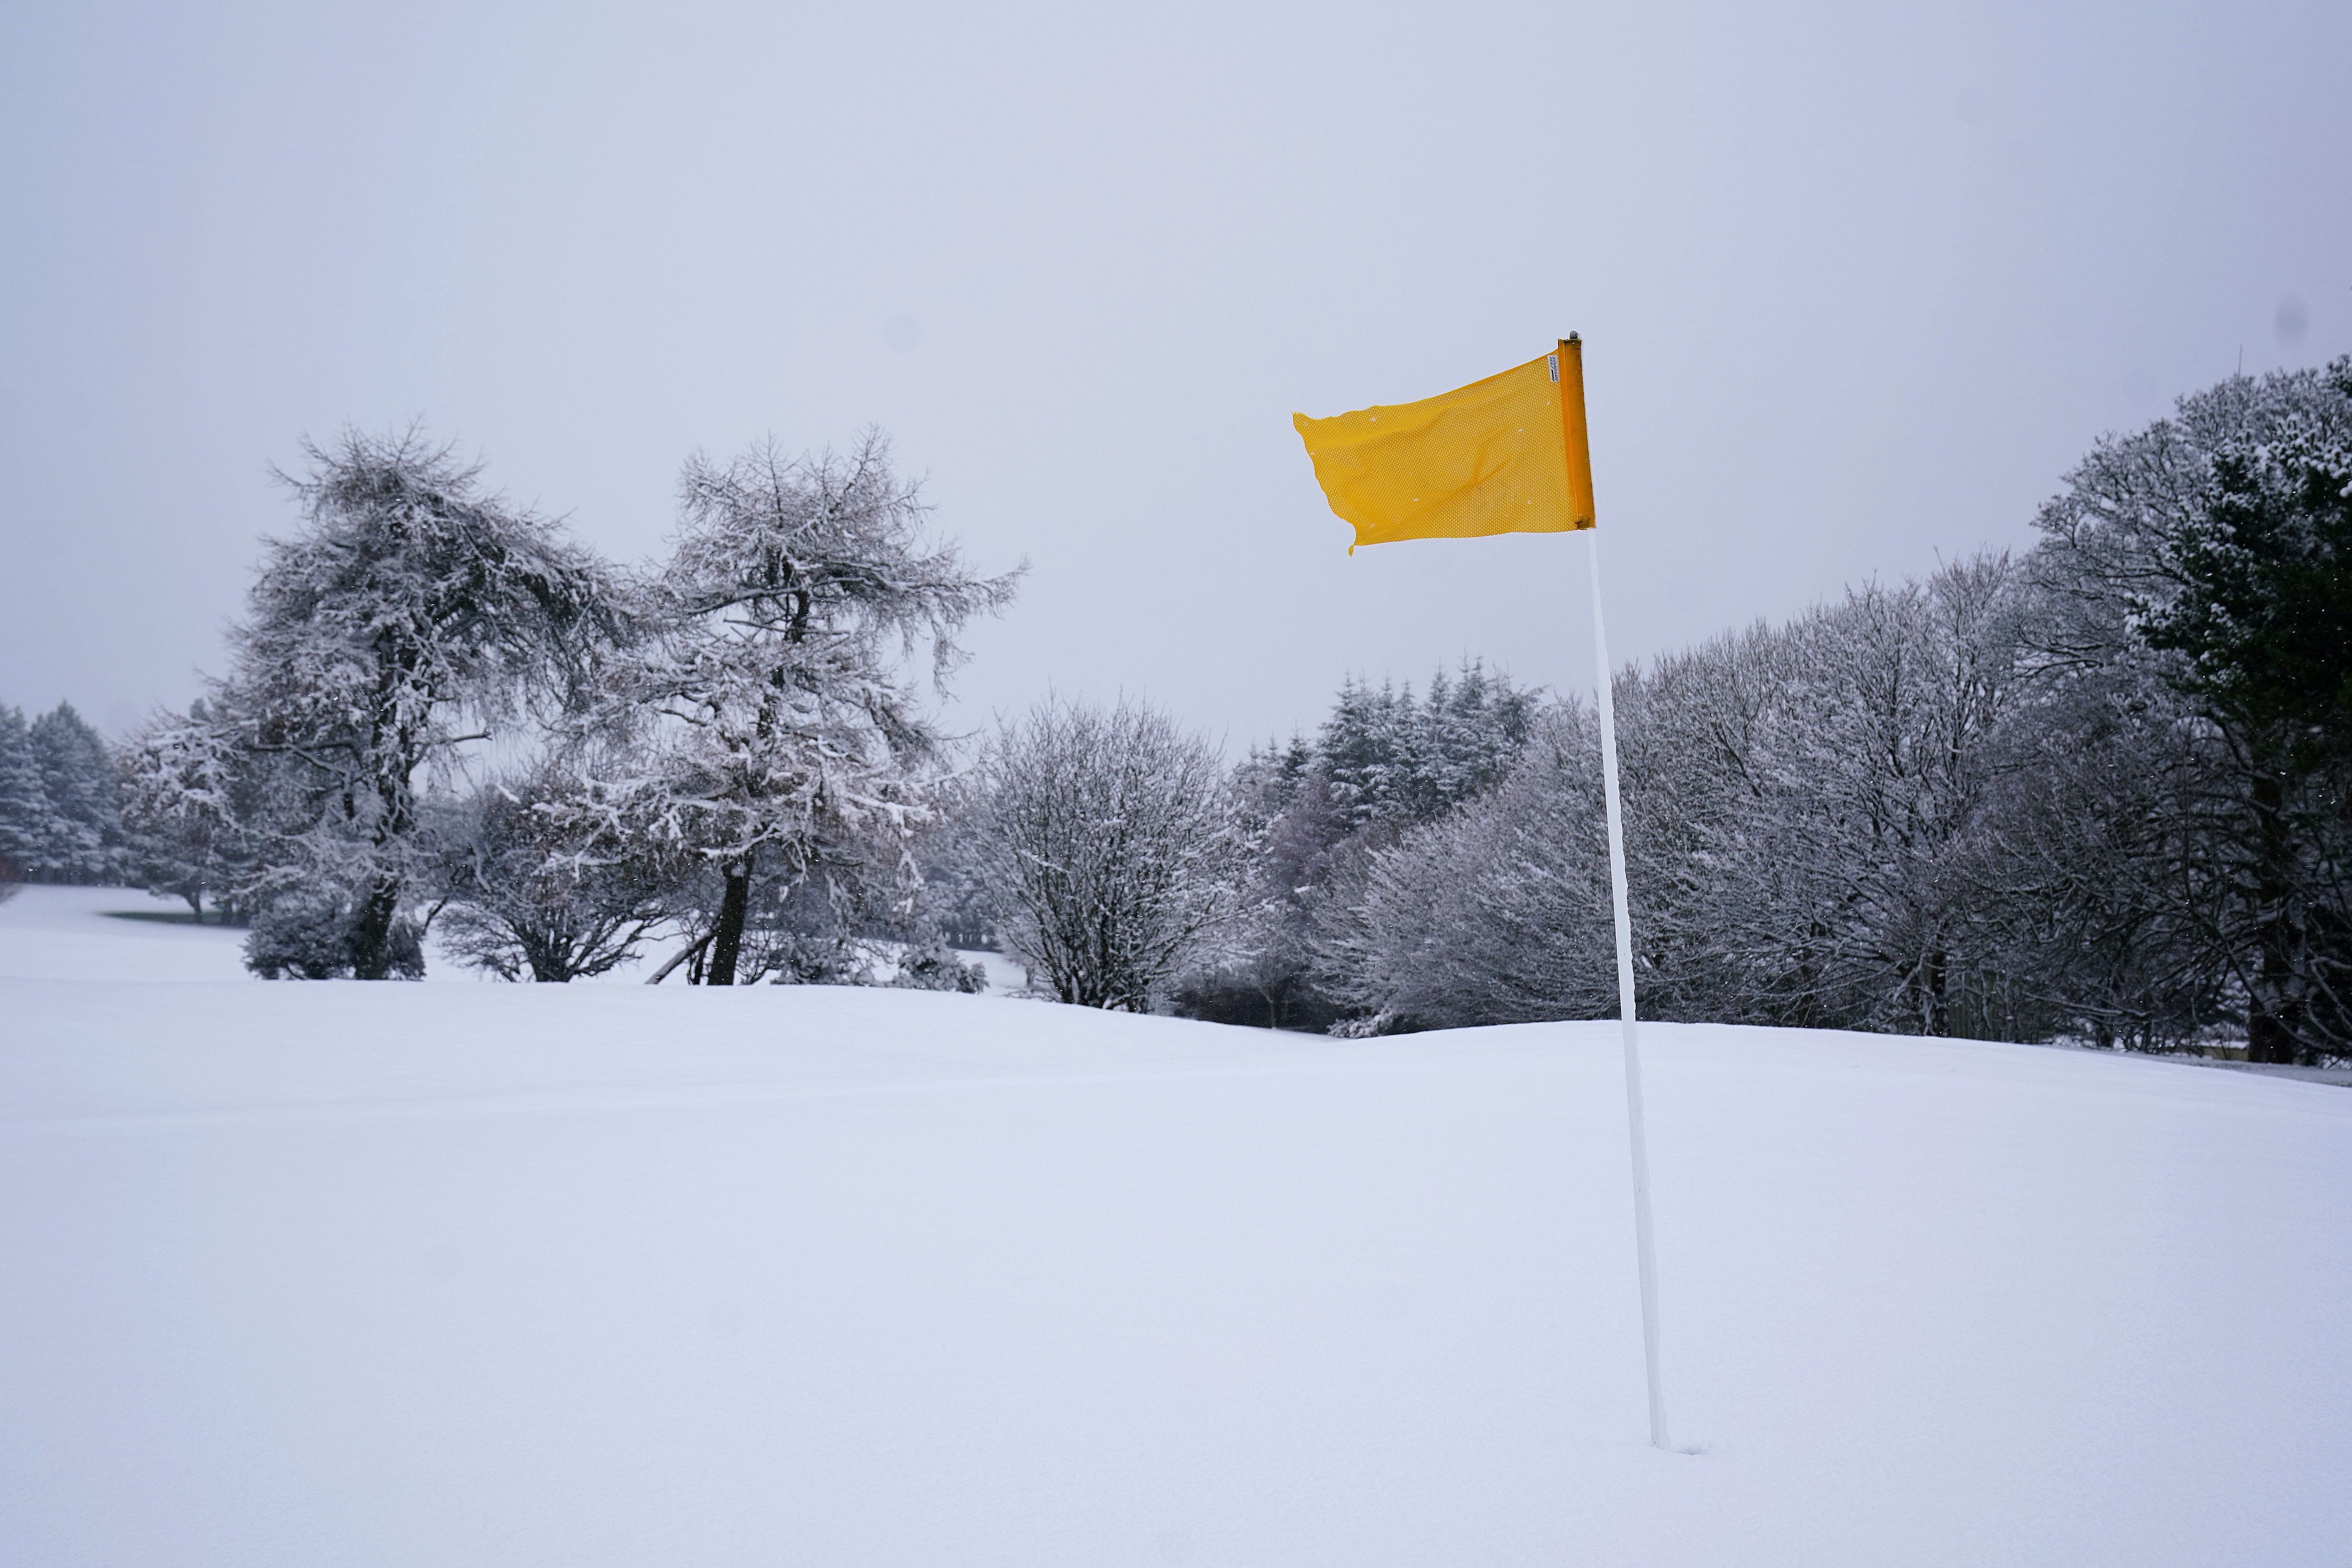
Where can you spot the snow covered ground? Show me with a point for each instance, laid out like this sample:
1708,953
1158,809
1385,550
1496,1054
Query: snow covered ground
606,1275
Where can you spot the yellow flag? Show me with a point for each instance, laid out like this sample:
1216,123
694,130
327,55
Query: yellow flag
1506,455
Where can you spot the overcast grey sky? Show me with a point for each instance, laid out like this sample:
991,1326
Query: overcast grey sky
1857,283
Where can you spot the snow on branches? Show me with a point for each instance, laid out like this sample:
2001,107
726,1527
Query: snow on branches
410,615
776,732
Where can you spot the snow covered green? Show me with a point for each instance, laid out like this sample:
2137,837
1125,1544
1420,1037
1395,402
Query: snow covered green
606,1274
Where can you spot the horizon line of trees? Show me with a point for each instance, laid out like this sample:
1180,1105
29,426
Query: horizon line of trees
2100,790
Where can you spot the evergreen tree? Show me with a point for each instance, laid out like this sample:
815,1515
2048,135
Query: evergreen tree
77,776
59,799
1311,812
24,814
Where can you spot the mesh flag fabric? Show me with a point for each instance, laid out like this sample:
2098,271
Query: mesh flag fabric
1506,455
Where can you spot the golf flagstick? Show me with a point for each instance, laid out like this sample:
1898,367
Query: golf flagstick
1645,1250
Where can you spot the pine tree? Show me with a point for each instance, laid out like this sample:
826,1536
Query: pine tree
1366,750
1311,812
25,813
84,831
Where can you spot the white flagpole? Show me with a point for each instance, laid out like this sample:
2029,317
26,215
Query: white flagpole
1643,1248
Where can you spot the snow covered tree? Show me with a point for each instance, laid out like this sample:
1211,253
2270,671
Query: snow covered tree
410,614
1497,912
952,854
1288,821
24,801
1805,813
1111,849
782,734
1388,758
190,809
60,810
2098,882
2210,550
1383,762
1841,886
78,771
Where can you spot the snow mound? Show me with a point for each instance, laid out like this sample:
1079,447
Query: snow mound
591,1275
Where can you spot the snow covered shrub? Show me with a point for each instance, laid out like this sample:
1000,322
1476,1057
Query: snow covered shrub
299,939
313,937
1111,849
537,886
791,958
933,967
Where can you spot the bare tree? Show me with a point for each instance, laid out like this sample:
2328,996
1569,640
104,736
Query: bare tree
1110,849
1838,880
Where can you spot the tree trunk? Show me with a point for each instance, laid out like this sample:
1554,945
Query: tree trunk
372,931
546,955
1935,1012
727,938
2271,1011
690,956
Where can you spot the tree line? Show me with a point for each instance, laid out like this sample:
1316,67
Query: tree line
60,808
2104,791
2097,791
